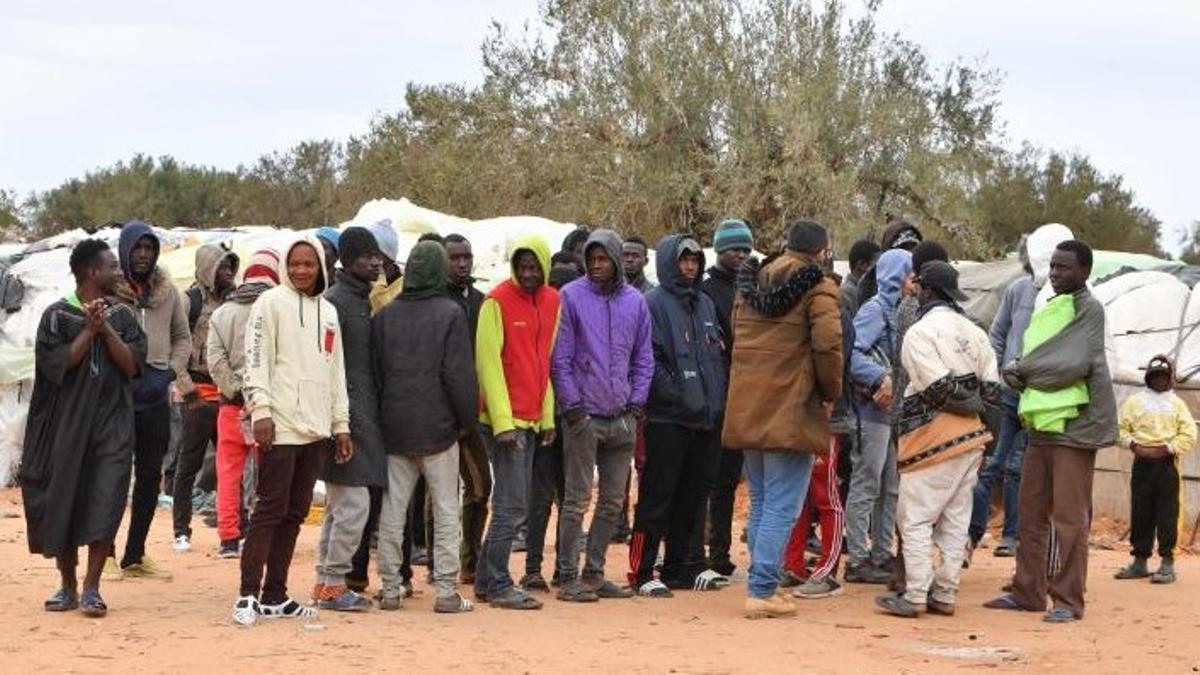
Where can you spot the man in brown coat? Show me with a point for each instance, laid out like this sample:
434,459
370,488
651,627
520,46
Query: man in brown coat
787,370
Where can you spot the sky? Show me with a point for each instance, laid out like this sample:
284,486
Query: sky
84,84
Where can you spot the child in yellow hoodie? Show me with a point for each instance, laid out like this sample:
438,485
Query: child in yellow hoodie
1157,427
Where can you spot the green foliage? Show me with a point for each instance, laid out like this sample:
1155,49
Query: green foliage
653,116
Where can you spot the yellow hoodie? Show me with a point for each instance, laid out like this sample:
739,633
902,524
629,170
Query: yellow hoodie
294,369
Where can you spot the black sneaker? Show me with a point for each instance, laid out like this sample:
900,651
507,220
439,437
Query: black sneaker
866,573
230,549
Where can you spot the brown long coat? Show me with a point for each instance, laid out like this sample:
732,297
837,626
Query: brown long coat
787,357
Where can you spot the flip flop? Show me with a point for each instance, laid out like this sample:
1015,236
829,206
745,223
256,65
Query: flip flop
1007,601
91,604
1060,615
62,601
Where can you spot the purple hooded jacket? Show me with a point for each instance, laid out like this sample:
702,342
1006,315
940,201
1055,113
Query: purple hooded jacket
603,359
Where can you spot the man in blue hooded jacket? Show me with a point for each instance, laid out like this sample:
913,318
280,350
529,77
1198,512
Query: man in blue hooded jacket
159,308
687,396
874,483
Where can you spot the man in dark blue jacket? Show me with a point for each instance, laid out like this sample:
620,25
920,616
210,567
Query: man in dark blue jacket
687,395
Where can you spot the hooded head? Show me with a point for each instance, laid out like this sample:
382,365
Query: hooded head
427,269
1040,246
607,243
892,269
208,260
286,273
666,262
131,233
1160,373
539,247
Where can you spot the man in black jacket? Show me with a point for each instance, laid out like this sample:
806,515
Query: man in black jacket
429,399
733,243
473,462
347,485
687,396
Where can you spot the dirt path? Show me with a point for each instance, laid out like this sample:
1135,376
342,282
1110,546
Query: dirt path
183,626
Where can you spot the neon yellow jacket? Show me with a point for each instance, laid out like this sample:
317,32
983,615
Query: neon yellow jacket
533,319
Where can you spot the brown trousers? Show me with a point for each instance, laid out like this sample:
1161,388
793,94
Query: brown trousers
1056,488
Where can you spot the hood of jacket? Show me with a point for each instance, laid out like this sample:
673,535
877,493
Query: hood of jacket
540,248
427,269
774,297
666,263
130,234
890,272
1040,247
285,279
208,258
611,243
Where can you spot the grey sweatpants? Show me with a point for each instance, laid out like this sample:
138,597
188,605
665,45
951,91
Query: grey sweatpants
346,510
441,480
603,446
874,491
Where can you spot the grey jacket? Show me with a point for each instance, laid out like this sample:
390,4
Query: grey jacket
368,466
1076,353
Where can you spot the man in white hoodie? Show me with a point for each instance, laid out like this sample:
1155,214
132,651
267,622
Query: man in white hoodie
295,390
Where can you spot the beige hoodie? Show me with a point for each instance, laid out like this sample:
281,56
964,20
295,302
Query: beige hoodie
294,370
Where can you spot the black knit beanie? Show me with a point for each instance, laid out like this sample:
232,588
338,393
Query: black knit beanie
354,243
806,236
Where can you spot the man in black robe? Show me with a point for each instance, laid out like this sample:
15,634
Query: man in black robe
79,439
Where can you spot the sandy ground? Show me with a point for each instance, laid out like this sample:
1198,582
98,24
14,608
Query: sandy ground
183,626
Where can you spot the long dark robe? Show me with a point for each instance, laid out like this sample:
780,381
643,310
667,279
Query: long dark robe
79,438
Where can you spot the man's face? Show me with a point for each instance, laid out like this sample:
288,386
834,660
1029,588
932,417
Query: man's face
529,272
910,286
223,280
303,268
924,295
462,262
142,257
600,268
1159,381
863,265
633,258
689,266
1066,274
731,260
366,268
821,256
106,273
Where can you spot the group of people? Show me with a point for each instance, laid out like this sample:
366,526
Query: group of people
411,392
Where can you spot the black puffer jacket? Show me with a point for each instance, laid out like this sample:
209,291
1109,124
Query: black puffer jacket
368,467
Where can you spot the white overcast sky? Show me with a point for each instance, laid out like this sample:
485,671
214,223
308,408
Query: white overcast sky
84,84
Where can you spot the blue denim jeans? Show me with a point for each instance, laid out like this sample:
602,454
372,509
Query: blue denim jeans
1004,466
778,486
512,471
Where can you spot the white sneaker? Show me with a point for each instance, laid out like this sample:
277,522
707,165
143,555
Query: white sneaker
183,544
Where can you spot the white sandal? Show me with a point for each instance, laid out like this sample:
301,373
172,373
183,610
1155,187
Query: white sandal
246,610
288,609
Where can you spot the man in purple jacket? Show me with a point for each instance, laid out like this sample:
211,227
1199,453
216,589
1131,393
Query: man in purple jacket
602,366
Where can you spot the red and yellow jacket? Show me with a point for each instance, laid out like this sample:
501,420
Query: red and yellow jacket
512,350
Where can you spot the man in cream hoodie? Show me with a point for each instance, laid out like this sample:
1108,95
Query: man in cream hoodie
295,390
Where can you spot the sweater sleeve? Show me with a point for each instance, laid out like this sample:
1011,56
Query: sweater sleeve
548,400
1185,430
824,316
868,329
1001,325
493,385
260,358
1125,422
562,363
643,358
458,372
340,401
217,355
181,346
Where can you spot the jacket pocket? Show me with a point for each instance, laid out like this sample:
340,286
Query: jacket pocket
313,404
